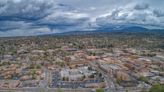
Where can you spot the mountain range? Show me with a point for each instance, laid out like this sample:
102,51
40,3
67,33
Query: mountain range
115,29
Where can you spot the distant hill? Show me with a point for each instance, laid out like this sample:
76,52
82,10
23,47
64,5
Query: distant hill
135,29
122,29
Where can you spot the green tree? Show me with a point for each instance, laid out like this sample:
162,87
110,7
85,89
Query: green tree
157,88
59,90
100,90
144,79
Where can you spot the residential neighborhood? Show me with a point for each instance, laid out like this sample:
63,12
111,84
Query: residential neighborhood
71,67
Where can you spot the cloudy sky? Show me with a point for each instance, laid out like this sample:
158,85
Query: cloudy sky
35,17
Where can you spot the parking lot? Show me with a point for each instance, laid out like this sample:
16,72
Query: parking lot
58,83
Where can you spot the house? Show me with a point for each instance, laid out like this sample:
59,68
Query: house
9,83
110,68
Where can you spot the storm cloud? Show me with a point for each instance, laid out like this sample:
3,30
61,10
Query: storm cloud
139,14
35,17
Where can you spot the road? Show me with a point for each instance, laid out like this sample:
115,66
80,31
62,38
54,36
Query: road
109,80
112,85
43,90
133,89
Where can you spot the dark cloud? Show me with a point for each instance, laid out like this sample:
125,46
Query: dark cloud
159,13
24,9
142,6
33,17
141,15
38,15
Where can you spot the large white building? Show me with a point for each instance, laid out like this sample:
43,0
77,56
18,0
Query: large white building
76,74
